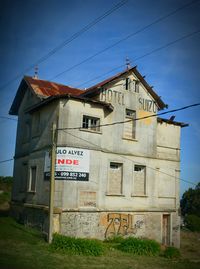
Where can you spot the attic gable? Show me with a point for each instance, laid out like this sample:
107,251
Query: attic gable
41,89
137,78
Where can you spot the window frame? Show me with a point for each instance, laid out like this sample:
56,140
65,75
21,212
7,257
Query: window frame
145,180
120,166
30,189
88,124
130,117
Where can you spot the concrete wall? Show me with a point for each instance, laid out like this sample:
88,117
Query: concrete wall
90,209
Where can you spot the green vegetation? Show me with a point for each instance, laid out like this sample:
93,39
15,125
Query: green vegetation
171,253
79,246
190,202
5,194
192,222
190,208
25,248
4,197
6,183
140,246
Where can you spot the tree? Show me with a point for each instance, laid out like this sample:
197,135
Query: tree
190,202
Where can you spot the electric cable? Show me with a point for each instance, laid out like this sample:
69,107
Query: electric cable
124,157
136,119
67,41
142,56
124,39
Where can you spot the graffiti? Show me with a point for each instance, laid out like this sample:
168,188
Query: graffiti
139,224
119,224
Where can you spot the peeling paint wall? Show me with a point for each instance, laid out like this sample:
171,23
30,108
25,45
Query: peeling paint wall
111,202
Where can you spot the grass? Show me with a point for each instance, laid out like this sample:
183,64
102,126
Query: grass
22,247
25,248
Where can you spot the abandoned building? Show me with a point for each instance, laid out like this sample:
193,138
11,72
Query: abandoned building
117,169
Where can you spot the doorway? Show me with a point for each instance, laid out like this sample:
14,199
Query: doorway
166,229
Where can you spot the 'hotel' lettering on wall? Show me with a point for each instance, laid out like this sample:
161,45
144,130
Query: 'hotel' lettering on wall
112,96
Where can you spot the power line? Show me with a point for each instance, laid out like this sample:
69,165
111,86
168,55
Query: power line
4,161
136,119
7,118
140,57
143,56
125,38
124,157
67,41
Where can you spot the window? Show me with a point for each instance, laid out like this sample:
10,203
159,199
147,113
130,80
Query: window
130,124
115,175
139,187
137,83
132,85
91,123
127,84
32,179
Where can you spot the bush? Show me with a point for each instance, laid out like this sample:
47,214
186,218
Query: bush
6,183
115,239
78,246
192,222
140,246
171,253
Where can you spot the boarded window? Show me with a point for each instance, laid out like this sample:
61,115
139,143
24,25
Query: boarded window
32,179
91,123
139,180
130,124
115,178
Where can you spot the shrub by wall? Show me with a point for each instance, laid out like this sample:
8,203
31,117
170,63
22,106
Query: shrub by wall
171,253
78,246
140,246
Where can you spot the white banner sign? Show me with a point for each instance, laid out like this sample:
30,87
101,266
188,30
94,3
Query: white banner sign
71,164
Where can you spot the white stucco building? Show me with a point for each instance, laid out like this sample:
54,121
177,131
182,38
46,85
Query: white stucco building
114,175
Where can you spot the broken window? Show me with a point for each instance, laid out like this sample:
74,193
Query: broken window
130,124
115,175
139,185
91,123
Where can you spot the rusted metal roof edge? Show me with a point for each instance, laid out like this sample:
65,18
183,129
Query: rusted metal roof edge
181,124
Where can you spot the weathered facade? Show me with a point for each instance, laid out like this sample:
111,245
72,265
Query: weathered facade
132,184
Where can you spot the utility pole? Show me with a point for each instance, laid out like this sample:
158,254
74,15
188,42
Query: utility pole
52,183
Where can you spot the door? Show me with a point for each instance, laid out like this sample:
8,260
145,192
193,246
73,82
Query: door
166,229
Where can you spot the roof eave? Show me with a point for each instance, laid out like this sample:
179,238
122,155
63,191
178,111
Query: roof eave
67,96
92,91
177,123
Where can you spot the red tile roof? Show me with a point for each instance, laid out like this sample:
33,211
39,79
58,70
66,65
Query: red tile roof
45,88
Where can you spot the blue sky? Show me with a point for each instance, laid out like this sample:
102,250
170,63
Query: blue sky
30,29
